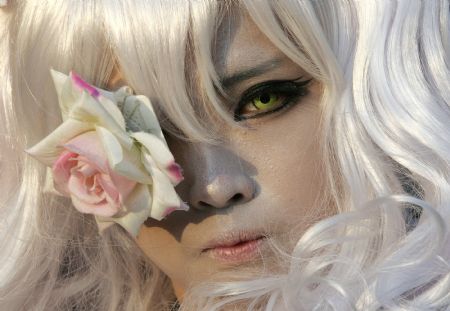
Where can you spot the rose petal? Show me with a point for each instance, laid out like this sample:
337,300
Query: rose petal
117,95
164,194
49,186
123,184
160,153
83,85
73,102
50,148
175,173
61,171
138,205
110,189
77,187
90,109
87,169
89,146
148,116
122,161
67,97
113,110
103,209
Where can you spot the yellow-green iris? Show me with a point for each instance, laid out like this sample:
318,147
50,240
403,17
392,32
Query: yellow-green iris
265,101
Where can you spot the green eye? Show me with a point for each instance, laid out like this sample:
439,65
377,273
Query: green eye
265,101
269,97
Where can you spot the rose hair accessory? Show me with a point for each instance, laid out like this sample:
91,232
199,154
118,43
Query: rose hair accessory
109,156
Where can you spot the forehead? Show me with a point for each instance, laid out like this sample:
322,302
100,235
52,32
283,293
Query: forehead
241,45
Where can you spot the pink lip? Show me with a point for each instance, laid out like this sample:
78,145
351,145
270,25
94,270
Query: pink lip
235,247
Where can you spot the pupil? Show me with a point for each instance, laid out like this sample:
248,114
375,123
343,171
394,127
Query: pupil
264,98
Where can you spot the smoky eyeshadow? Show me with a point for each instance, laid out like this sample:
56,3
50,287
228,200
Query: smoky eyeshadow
290,89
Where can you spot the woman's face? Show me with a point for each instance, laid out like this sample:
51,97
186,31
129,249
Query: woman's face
263,180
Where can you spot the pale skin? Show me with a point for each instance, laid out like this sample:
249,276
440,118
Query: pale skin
267,178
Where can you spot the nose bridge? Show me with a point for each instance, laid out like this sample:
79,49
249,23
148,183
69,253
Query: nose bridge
219,179
217,160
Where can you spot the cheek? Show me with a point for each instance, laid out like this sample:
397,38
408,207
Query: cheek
163,249
178,260
300,186
286,153
297,167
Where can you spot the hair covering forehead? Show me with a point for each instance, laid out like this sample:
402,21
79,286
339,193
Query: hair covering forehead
164,50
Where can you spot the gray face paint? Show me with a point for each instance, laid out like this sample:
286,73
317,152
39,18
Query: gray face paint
266,179
256,71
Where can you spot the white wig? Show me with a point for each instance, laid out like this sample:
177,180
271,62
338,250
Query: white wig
385,71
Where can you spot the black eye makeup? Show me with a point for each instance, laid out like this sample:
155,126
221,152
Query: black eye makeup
270,97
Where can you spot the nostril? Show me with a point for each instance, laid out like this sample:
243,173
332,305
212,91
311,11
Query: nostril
203,204
224,190
236,198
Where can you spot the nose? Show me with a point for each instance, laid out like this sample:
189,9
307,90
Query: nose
221,190
214,177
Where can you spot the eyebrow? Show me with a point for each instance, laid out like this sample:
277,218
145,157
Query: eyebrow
243,75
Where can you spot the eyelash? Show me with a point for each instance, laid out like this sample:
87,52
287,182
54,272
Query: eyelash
291,90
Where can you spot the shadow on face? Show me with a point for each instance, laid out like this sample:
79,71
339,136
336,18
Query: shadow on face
216,181
264,179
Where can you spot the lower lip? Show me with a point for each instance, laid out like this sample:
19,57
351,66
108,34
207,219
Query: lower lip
238,253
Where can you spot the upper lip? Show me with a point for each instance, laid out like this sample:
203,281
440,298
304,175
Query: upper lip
233,237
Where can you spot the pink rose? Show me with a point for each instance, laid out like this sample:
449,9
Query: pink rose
109,156
82,172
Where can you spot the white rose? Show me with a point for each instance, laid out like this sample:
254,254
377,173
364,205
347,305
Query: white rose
132,142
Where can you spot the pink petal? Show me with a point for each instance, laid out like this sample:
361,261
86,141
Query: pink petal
102,209
183,207
123,184
175,172
168,211
87,169
81,84
77,187
109,188
90,147
61,170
